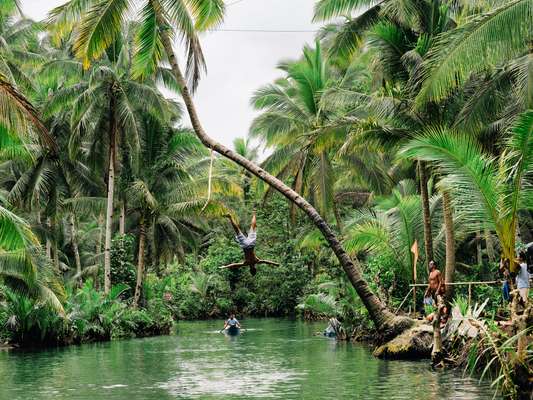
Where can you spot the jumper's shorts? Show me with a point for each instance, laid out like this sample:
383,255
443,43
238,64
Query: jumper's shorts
247,242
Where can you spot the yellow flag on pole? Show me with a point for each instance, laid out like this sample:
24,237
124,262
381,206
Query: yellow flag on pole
414,250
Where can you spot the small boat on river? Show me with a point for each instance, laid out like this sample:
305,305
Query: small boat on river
232,330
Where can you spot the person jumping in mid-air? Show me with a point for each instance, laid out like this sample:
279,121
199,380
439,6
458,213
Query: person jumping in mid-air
247,244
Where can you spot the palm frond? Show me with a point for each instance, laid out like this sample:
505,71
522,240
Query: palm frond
487,40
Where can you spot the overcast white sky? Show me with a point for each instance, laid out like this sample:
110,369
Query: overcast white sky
237,62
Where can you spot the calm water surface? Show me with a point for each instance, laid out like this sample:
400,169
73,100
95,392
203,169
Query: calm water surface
273,359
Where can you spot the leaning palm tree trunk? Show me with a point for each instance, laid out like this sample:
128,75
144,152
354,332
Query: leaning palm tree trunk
450,243
385,321
140,262
428,237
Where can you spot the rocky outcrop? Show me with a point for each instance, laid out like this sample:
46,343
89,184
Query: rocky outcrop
415,342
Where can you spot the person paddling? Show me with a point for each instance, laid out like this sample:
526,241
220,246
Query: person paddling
231,322
247,244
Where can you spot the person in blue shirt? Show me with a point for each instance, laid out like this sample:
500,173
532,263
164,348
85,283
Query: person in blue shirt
232,321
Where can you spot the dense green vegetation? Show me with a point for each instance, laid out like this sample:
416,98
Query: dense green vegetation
405,122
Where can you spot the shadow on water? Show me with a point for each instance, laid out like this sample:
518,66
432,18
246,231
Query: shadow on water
272,358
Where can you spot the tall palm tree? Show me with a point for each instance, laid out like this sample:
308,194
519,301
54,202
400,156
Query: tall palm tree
98,29
294,124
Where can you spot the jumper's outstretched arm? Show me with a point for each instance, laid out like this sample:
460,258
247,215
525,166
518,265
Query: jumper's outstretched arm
234,265
268,262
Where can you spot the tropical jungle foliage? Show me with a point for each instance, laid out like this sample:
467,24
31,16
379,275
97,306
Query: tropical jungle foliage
406,124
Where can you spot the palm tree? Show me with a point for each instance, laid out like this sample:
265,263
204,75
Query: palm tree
294,124
159,176
484,188
391,228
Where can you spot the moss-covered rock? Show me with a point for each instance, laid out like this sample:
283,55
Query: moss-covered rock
415,342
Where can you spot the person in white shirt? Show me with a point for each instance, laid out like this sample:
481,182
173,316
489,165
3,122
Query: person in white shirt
522,278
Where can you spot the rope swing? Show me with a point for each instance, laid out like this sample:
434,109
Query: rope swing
209,180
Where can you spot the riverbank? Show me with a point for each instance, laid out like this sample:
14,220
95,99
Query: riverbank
87,316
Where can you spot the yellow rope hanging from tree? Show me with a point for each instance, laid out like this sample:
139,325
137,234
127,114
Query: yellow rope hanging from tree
209,180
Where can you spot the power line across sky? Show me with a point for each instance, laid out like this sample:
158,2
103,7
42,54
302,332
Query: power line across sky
261,30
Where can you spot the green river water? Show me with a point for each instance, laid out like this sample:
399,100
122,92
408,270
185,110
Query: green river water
273,359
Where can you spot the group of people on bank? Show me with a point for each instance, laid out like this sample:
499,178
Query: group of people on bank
520,279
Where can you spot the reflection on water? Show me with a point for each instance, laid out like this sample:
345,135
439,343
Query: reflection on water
272,359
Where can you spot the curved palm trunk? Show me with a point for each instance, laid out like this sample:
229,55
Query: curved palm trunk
450,243
428,237
140,262
384,320
110,196
75,248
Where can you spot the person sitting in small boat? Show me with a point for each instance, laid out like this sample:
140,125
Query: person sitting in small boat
247,244
232,322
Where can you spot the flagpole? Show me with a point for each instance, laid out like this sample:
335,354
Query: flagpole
414,250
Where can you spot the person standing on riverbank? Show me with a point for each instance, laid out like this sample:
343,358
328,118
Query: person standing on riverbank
522,278
436,285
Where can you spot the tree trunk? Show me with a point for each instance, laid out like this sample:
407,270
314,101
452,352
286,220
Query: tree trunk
385,321
100,233
75,248
99,249
450,243
48,241
140,262
122,220
55,249
428,237
110,196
